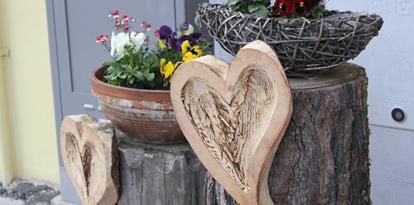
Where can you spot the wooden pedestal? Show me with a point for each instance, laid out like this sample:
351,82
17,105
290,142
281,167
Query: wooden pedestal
322,159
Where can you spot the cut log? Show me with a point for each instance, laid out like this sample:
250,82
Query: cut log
90,158
160,174
322,158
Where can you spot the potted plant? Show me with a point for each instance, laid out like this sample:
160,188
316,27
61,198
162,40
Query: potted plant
307,37
133,87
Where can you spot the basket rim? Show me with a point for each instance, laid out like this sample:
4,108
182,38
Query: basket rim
323,38
340,14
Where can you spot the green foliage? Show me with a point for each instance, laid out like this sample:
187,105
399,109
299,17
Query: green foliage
206,46
316,12
256,7
135,65
135,69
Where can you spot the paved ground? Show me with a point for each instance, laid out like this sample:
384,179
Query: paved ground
28,192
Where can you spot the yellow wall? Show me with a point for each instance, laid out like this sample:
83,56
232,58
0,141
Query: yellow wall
28,90
6,151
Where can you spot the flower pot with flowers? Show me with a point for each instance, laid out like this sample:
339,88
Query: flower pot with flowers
307,37
133,87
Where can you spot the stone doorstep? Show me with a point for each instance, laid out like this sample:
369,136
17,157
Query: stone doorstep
22,191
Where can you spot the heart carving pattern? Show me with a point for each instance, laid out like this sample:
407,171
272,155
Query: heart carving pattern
89,154
226,128
234,117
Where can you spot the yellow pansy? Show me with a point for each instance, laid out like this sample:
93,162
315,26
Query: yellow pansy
190,52
166,69
185,47
161,44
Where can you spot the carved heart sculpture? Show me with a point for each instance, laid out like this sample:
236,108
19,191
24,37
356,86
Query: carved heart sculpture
90,157
234,117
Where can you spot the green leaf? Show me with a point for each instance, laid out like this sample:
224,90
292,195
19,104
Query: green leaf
140,75
258,9
123,76
316,12
149,76
233,2
115,66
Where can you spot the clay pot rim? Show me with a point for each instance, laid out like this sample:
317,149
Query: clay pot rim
101,87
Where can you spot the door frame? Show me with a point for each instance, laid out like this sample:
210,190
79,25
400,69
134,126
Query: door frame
56,60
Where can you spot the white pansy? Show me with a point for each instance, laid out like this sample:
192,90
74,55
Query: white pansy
118,43
137,39
189,30
120,40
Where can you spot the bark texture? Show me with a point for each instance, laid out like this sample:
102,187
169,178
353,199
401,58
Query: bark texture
160,174
322,159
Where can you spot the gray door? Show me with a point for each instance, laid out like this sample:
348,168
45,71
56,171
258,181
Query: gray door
73,26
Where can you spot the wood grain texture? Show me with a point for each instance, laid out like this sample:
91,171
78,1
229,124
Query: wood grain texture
322,159
159,174
89,153
226,128
234,117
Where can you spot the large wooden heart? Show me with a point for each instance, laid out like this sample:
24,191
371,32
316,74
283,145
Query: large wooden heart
234,117
90,157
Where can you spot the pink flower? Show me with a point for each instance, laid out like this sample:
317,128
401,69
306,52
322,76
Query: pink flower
125,18
143,24
157,33
149,27
101,38
118,25
115,14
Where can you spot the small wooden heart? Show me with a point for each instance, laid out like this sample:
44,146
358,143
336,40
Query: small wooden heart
234,117
90,157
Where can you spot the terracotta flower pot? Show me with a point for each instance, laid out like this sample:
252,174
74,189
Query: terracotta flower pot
145,115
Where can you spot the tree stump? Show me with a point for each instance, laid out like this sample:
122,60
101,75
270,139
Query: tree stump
322,159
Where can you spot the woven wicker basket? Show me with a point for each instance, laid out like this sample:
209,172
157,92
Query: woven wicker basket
304,46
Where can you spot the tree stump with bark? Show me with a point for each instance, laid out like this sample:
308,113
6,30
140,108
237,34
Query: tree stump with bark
322,159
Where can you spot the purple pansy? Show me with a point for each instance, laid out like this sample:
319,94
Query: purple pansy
185,25
173,43
165,31
193,38
171,40
195,35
